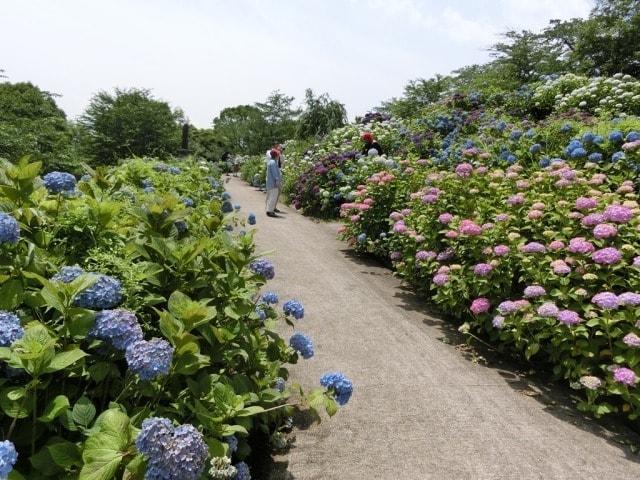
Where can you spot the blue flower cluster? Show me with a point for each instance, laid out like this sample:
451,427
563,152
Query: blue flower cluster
237,207
227,207
535,148
263,267
9,229
58,182
148,189
187,202
616,136
243,471
10,328
566,128
174,170
8,458
262,315
294,309
251,219
575,149
172,453
617,156
302,344
161,167
515,135
270,298
105,293
362,238
146,183
595,157
118,327
149,359
632,137
232,441
341,386
181,226
279,384
226,196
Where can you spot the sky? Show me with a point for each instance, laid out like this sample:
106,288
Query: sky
205,55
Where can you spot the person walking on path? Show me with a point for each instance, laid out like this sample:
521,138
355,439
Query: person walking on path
274,183
370,144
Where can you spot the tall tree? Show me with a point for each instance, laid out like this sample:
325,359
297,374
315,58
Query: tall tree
321,115
242,129
280,115
130,122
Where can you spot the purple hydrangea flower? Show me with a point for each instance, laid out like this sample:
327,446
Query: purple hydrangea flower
625,376
440,279
534,291
533,247
629,299
548,310
482,269
568,317
501,250
592,219
423,255
580,245
118,327
508,307
605,300
604,230
618,214
607,256
498,322
632,340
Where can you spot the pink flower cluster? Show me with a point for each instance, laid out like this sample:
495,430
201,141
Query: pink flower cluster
470,228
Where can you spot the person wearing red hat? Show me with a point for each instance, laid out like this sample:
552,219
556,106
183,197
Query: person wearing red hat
370,144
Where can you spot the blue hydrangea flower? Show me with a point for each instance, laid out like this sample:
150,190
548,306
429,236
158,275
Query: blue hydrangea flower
515,135
226,196
251,218
279,384
270,298
118,327
8,458
263,267
588,137
598,139
146,183
187,202
616,157
243,471
340,385
9,229
160,167
578,153
362,238
501,125
511,159
10,328
530,133
544,162
149,359
57,182
616,136
294,309
154,435
302,344
148,189
237,207
595,157
172,453
227,207
632,137
105,293
262,315
535,148
174,170
566,128
181,226
232,441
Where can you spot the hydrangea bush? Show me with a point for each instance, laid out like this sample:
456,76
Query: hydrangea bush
134,338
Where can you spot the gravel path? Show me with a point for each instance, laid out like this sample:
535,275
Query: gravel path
421,408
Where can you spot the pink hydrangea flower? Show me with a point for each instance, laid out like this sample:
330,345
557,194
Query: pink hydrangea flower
604,230
592,220
535,215
482,269
556,245
399,227
498,322
586,203
395,256
464,169
355,218
428,199
534,291
568,317
406,212
632,340
468,227
501,250
480,305
502,217
580,245
618,214
395,216
560,267
445,218
487,226
636,261
451,234
538,206
548,310
423,255
517,199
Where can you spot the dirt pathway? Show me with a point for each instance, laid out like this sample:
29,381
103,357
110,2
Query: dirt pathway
420,409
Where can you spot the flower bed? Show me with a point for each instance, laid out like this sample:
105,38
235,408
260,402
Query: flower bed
133,338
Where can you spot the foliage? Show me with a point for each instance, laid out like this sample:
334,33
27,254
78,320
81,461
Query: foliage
193,344
321,115
32,124
130,122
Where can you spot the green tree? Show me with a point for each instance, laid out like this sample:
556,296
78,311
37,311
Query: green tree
417,95
321,115
280,116
242,130
31,123
130,122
